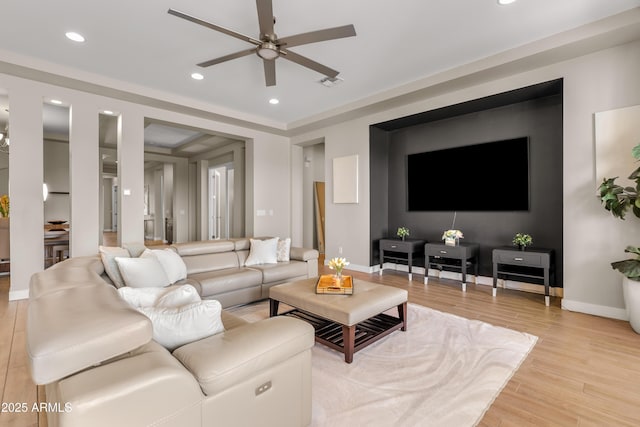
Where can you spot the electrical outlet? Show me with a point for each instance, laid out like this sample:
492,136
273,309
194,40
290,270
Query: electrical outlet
340,250
262,388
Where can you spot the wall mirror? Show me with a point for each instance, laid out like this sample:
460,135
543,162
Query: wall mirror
193,183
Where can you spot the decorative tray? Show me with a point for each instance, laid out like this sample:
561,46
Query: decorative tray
329,284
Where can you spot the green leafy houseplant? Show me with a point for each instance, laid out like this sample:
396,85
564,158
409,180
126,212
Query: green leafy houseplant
403,232
618,200
522,240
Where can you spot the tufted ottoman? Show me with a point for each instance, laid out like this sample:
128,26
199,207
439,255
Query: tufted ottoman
346,323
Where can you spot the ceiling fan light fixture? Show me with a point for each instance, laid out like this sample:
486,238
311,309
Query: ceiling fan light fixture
504,2
268,51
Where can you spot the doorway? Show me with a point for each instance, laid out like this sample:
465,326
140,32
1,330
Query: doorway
221,183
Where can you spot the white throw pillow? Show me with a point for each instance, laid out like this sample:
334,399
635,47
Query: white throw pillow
178,296
142,272
284,249
108,255
141,297
173,327
172,263
159,297
263,252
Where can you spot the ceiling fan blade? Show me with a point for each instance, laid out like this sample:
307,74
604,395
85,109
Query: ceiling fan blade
227,57
265,17
318,36
213,26
309,63
269,72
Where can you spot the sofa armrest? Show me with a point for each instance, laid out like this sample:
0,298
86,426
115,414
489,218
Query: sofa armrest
244,352
144,388
303,254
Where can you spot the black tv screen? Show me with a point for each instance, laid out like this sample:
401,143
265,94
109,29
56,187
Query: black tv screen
492,176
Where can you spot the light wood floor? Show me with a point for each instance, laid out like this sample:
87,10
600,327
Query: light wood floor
584,370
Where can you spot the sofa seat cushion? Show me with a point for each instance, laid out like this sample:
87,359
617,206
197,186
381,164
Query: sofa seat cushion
222,281
282,271
224,360
62,344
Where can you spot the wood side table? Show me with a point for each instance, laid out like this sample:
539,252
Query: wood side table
440,255
407,248
530,263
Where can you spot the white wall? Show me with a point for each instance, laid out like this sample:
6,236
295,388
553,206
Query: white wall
271,183
271,178
600,81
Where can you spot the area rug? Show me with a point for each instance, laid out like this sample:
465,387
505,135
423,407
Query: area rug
445,370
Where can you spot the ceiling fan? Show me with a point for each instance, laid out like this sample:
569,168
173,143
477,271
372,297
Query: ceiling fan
269,47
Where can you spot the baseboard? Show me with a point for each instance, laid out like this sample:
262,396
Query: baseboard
596,310
17,295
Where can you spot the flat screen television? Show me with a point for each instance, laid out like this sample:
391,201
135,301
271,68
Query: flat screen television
492,176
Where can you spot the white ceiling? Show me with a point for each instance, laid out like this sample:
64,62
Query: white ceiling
142,48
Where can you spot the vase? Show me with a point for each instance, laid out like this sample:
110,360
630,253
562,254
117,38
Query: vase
451,241
522,247
631,292
338,276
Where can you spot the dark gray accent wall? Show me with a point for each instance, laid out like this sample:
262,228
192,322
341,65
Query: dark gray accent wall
540,119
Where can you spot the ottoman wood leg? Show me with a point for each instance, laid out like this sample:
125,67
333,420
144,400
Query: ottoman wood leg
348,341
402,314
273,307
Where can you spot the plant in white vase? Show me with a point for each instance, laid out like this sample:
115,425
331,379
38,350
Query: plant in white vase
451,237
618,200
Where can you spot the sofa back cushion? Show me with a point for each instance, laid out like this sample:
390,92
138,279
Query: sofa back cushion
203,247
210,262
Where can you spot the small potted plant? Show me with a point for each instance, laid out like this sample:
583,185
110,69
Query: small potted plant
452,237
403,232
522,241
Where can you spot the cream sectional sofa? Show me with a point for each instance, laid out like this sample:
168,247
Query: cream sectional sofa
100,366
216,268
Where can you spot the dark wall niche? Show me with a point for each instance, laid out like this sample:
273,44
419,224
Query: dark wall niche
534,112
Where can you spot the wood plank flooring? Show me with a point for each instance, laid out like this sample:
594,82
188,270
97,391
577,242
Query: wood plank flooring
584,371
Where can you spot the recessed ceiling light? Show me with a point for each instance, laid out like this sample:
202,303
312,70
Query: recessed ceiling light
274,101
197,76
506,1
108,112
72,35
56,101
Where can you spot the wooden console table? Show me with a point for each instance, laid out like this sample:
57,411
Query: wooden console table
407,248
458,257
530,263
